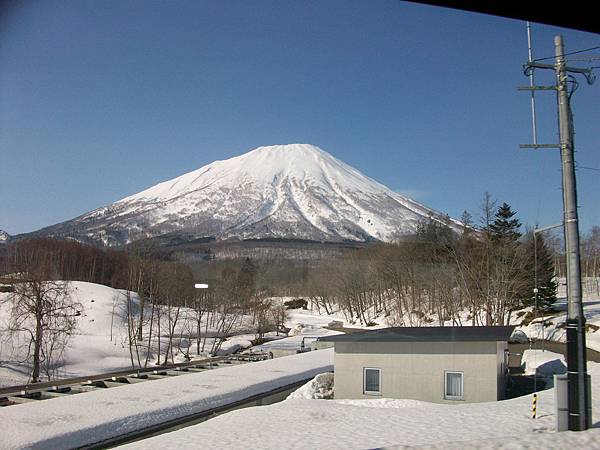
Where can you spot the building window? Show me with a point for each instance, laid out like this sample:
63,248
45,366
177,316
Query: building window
371,380
453,385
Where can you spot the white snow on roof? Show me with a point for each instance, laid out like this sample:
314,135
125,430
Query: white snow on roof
91,417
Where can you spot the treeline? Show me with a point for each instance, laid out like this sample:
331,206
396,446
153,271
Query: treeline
474,277
69,260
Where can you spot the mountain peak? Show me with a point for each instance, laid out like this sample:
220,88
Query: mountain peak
288,148
292,191
287,151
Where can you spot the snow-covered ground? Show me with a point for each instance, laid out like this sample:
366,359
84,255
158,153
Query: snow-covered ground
81,419
100,342
309,423
551,326
360,424
305,327
98,345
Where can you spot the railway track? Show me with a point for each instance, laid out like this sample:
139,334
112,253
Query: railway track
70,386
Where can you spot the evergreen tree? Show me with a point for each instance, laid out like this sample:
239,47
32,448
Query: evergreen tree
504,227
546,284
506,280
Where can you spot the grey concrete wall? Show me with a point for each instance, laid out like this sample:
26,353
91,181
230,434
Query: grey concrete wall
416,370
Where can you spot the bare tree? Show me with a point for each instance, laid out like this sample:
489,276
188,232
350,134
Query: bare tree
40,307
280,315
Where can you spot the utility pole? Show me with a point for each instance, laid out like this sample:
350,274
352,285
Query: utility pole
579,404
576,348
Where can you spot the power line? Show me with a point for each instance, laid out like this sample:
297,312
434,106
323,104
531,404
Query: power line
569,53
587,168
591,58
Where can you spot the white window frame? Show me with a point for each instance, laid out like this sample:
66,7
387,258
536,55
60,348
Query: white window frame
462,385
378,369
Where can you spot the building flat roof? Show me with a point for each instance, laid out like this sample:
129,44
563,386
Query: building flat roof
426,334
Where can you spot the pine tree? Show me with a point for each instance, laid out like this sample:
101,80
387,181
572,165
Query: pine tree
506,280
546,284
504,227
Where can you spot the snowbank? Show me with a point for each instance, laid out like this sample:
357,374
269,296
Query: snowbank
320,387
543,363
91,417
335,424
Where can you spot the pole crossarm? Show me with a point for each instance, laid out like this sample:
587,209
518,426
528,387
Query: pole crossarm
536,88
538,146
589,74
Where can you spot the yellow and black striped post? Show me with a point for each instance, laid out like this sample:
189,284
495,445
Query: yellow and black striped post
534,407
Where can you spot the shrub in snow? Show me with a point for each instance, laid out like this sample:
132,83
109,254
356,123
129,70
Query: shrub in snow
297,303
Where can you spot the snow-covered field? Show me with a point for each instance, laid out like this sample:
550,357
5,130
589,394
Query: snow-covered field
301,422
100,343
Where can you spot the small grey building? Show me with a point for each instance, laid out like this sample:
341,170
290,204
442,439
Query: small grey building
433,364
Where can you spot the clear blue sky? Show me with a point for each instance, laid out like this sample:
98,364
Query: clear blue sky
101,99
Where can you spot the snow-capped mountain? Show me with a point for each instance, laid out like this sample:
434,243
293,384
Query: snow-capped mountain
295,191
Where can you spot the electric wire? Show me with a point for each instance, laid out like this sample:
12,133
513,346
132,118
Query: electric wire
569,53
593,58
577,166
